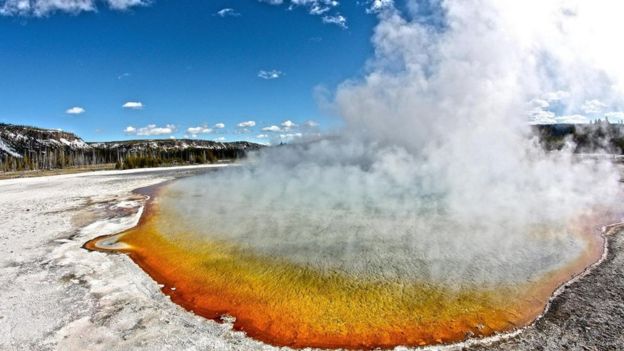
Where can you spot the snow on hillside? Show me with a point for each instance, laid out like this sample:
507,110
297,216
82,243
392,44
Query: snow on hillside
17,140
5,148
173,144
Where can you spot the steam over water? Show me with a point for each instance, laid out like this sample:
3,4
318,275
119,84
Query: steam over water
436,176
435,182
382,218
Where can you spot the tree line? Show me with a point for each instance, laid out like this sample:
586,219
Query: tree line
65,157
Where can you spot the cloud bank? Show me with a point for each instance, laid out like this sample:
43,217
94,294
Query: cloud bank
195,131
151,130
247,124
41,8
327,9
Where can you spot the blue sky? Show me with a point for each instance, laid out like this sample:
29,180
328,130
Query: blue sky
179,63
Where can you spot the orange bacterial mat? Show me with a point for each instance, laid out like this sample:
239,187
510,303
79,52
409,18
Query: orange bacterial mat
286,304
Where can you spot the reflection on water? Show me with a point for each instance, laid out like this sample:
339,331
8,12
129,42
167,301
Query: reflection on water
351,272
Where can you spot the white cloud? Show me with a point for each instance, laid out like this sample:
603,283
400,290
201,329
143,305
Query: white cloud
539,103
76,110
220,139
228,12
262,136
316,7
311,124
272,74
199,130
541,109
538,112
325,8
124,75
133,105
126,4
219,126
313,6
556,95
288,137
338,20
319,10
377,6
40,8
151,130
593,106
572,119
272,129
247,124
539,116
288,124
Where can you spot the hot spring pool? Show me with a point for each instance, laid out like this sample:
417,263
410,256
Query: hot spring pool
316,267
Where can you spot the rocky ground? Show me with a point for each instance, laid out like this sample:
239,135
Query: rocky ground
58,296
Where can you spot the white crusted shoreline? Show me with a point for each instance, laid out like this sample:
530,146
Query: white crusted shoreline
58,296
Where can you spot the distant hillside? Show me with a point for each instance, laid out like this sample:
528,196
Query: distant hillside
173,144
31,148
16,139
585,138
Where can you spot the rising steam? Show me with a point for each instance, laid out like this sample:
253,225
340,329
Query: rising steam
436,175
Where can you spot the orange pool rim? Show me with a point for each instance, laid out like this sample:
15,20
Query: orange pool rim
284,318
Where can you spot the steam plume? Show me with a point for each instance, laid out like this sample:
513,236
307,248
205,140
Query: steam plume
436,175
